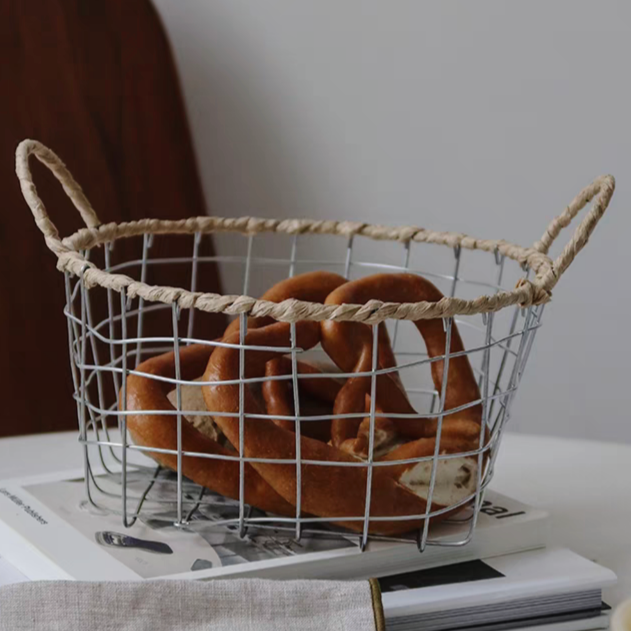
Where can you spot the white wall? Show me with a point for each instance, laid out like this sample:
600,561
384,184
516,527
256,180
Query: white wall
483,117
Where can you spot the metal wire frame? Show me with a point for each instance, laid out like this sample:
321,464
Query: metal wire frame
112,332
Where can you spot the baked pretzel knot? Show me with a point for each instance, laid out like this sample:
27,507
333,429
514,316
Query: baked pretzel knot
339,492
349,345
334,472
152,429
146,394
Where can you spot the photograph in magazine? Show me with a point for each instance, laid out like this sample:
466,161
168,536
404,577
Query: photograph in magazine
153,547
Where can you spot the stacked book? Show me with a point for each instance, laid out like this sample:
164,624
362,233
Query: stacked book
505,578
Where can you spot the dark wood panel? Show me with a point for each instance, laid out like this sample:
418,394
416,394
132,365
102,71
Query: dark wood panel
95,81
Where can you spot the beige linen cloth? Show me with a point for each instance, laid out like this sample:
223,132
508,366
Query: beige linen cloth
222,605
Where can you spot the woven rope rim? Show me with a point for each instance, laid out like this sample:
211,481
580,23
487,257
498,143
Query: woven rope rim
526,293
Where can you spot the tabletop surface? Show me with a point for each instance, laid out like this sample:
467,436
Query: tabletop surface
585,485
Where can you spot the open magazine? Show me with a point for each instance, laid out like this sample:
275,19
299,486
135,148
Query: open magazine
49,529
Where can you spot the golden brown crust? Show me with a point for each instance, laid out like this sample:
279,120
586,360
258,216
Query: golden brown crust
328,491
160,431
316,397
349,344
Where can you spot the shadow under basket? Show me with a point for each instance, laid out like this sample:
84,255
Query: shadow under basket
177,428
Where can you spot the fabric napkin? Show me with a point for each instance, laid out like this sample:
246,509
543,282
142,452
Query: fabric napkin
221,605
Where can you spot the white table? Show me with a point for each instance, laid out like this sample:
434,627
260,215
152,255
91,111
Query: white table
585,485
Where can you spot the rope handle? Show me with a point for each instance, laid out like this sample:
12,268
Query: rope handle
53,162
600,190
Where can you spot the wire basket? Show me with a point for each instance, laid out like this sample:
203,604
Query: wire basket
494,295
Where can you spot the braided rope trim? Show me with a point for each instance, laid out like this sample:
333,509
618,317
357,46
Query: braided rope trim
87,238
373,312
526,293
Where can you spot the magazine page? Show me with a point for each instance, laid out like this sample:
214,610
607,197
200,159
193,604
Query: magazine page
210,545
151,547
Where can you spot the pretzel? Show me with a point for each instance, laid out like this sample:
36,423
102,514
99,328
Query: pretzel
349,344
327,490
460,431
160,431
